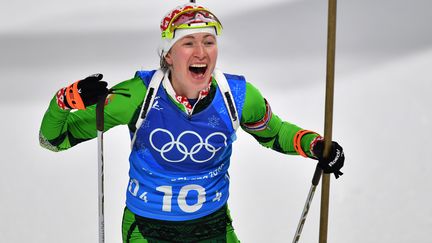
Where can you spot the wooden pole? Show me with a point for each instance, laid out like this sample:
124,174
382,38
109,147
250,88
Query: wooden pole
328,123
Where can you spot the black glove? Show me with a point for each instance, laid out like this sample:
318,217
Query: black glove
335,160
85,92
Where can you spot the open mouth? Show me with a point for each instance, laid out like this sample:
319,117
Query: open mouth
198,69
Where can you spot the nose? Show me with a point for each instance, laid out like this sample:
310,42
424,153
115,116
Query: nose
199,50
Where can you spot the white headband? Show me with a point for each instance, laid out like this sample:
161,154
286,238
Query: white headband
166,44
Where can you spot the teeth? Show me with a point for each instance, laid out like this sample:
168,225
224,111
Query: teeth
199,65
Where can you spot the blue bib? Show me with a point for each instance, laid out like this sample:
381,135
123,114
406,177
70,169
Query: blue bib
179,163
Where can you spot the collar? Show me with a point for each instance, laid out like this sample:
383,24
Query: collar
183,100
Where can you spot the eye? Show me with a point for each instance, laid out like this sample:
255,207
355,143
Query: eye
188,43
209,42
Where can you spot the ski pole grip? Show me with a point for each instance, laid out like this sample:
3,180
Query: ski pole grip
100,113
317,176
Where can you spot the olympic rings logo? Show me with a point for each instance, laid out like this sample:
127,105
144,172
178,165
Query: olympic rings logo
183,149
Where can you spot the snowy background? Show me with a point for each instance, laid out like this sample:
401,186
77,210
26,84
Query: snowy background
382,115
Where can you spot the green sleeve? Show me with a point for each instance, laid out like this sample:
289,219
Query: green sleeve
63,129
274,132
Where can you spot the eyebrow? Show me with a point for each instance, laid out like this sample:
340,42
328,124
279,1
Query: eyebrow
208,35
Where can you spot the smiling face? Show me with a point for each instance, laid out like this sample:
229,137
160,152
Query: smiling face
192,60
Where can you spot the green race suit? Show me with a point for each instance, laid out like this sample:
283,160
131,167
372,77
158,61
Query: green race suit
63,129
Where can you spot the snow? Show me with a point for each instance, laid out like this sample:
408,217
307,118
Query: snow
382,116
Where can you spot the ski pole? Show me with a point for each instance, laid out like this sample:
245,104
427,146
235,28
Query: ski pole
100,129
315,182
328,120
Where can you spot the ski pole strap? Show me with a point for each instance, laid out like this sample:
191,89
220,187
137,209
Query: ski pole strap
73,97
297,141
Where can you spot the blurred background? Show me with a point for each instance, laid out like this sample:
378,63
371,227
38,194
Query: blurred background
382,114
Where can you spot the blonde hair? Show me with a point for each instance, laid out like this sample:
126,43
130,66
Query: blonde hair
163,63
